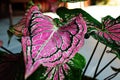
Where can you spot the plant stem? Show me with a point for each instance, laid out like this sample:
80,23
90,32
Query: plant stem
90,59
6,50
99,62
106,66
111,76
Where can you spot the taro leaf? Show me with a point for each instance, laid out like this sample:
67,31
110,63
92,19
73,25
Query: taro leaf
45,43
65,71
11,66
115,69
71,0
67,14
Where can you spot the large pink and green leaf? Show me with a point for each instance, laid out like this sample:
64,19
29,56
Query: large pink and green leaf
46,44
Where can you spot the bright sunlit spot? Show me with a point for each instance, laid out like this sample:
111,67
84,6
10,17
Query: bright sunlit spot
75,5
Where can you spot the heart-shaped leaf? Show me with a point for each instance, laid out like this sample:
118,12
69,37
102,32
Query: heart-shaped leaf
47,44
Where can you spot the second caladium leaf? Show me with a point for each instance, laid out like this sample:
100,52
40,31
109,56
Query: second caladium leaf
46,44
109,33
110,29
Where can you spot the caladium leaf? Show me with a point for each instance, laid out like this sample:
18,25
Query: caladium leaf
109,34
47,44
110,29
67,14
66,71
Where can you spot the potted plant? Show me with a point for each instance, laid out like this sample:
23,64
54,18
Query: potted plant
50,46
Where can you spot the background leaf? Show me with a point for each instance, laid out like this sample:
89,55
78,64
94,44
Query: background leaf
67,14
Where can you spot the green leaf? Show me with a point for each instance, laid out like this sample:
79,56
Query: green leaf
74,74
67,14
76,64
58,23
30,3
78,61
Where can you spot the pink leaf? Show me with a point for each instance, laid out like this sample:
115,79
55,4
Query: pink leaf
111,29
47,44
